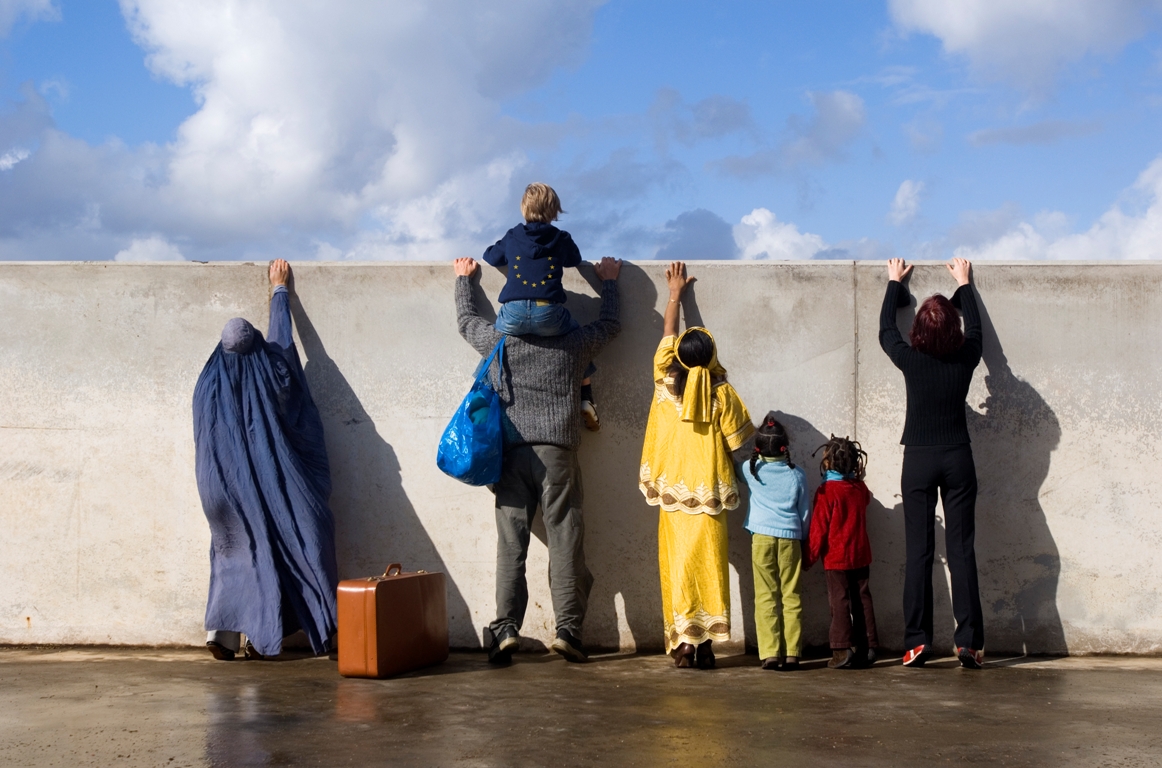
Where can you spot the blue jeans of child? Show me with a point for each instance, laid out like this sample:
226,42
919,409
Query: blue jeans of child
527,317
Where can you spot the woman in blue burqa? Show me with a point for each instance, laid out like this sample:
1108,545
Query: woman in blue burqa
264,481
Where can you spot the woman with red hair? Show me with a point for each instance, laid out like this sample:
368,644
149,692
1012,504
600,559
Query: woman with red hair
937,367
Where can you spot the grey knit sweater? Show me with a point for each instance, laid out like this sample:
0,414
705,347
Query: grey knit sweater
541,384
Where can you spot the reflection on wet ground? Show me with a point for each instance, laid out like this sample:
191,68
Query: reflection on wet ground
180,708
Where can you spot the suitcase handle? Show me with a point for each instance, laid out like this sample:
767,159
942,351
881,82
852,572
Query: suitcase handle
396,566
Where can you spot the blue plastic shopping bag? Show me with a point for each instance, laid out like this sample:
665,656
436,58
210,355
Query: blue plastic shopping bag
472,447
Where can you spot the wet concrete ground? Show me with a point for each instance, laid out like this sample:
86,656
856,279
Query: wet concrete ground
181,708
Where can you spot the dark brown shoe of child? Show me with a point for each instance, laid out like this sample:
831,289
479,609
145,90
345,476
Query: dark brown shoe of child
844,659
773,663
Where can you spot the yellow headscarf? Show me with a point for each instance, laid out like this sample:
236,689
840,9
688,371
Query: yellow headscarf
697,400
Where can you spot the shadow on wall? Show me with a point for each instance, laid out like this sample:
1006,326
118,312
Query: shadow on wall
375,522
1014,435
625,605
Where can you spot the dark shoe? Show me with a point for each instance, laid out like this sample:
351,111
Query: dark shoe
790,665
683,656
589,415
220,652
870,657
704,655
254,655
970,659
844,659
916,657
569,647
772,663
503,646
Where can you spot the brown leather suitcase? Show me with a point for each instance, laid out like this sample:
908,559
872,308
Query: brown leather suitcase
392,623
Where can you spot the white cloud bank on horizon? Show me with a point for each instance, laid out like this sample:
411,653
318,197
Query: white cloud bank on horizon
1115,235
760,235
1027,42
1130,229
155,248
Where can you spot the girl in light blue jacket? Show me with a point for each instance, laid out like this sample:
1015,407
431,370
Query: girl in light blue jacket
778,519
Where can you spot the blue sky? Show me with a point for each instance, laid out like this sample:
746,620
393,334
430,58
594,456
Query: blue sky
231,129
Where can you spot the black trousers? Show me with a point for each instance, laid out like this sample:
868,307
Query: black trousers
949,470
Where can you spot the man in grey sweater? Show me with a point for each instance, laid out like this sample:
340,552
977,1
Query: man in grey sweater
540,388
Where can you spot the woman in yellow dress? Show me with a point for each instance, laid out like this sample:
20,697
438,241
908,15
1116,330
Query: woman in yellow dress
697,421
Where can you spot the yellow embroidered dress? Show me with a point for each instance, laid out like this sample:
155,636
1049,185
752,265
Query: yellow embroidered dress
687,470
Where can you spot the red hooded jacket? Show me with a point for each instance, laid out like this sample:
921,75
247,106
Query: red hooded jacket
839,526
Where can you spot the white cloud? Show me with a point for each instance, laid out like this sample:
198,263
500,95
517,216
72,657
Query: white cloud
906,204
760,235
12,11
10,158
153,248
1026,42
1118,234
314,122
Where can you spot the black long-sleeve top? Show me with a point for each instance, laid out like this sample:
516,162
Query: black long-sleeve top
937,386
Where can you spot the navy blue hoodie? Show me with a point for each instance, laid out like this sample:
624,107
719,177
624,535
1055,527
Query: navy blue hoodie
536,254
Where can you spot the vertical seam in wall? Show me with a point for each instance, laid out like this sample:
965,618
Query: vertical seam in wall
855,351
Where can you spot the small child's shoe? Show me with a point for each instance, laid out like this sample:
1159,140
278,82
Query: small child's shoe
772,663
844,659
589,414
970,659
790,665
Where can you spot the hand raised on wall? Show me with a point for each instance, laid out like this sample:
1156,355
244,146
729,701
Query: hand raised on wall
607,269
961,269
676,279
465,267
898,269
279,272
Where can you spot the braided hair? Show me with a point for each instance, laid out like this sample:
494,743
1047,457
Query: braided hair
843,455
771,441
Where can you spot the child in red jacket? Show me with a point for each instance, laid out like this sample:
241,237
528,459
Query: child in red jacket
839,537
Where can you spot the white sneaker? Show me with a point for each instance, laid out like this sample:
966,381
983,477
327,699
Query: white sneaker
589,414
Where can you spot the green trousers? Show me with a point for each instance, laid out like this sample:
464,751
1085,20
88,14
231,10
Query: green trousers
777,564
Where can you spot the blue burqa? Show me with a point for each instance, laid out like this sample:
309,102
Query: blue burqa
264,481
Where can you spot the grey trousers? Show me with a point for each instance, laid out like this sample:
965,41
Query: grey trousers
231,641
549,477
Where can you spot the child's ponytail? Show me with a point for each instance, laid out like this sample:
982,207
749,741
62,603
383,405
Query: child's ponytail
770,441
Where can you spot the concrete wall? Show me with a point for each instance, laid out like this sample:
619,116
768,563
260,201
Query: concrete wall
103,539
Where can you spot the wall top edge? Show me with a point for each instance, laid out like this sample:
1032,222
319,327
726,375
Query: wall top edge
643,262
